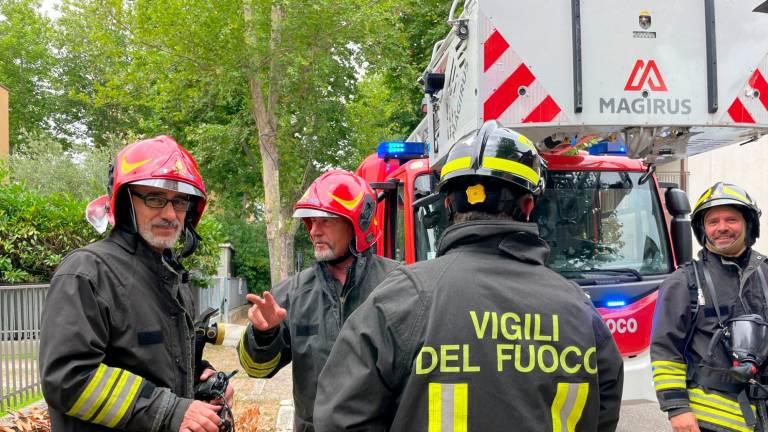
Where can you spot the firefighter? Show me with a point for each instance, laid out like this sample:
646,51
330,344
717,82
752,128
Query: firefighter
300,319
484,337
117,346
702,312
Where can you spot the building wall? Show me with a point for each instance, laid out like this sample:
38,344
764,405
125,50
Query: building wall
746,166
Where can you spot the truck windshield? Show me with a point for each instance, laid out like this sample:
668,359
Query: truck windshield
594,220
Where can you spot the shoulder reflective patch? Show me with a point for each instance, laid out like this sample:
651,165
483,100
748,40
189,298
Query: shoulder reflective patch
448,407
108,396
512,167
568,406
348,204
126,167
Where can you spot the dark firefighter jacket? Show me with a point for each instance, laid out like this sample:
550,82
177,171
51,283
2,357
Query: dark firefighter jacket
116,348
739,292
316,313
482,338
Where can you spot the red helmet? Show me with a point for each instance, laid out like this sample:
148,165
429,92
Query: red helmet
340,193
160,162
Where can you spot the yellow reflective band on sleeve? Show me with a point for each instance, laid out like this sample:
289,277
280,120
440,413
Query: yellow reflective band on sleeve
568,406
253,368
448,407
87,393
668,375
732,192
512,167
134,388
107,397
456,164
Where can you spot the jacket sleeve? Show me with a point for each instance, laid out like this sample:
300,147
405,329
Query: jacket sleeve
672,319
76,381
610,369
358,387
263,354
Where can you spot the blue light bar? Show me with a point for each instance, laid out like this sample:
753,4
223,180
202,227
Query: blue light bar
608,148
616,303
402,150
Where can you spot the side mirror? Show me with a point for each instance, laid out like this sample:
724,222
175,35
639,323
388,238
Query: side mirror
680,227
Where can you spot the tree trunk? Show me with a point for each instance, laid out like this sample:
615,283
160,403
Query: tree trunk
263,113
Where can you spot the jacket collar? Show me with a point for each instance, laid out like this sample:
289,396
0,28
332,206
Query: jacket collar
518,239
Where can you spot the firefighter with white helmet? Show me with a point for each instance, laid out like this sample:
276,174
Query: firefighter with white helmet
484,337
117,348
298,321
710,333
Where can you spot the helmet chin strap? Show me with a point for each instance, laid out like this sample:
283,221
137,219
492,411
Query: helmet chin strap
340,259
191,240
133,227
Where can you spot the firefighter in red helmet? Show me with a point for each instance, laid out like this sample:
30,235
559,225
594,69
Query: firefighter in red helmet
117,348
300,318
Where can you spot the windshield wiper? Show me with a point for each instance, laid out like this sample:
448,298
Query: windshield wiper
621,275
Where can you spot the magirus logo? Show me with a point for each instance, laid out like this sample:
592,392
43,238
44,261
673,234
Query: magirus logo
645,78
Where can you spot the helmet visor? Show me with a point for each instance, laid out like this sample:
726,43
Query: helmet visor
309,212
171,185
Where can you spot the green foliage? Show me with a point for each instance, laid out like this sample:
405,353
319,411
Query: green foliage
41,163
27,66
205,260
250,259
37,231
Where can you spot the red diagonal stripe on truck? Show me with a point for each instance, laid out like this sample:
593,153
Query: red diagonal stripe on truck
758,83
493,48
739,113
507,93
545,112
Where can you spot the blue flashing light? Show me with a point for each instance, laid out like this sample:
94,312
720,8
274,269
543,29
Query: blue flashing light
617,148
615,303
402,150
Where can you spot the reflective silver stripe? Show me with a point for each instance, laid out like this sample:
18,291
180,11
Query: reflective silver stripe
94,393
446,419
172,185
122,398
568,406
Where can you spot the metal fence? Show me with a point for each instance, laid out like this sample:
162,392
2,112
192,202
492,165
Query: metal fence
224,294
20,309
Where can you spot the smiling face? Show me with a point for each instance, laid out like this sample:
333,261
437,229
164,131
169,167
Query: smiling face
330,237
723,226
160,227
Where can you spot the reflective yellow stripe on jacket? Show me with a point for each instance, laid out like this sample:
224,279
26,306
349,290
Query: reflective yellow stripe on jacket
668,375
107,396
568,406
448,407
717,410
253,368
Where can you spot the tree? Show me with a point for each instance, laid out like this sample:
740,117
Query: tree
248,85
27,65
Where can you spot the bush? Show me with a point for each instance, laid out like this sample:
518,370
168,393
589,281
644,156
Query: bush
37,231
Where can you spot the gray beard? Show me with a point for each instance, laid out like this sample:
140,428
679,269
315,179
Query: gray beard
325,255
152,240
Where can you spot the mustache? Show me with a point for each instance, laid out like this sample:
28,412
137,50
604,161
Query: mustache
165,224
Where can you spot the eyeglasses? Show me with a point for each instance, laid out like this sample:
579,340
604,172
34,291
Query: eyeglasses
156,201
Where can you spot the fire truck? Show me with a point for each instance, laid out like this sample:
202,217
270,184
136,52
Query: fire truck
607,90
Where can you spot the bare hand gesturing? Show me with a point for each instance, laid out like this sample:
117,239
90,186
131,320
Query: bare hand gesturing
265,313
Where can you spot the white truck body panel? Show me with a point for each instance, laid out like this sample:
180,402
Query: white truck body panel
646,85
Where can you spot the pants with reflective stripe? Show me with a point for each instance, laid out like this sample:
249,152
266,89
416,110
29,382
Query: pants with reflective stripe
717,410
